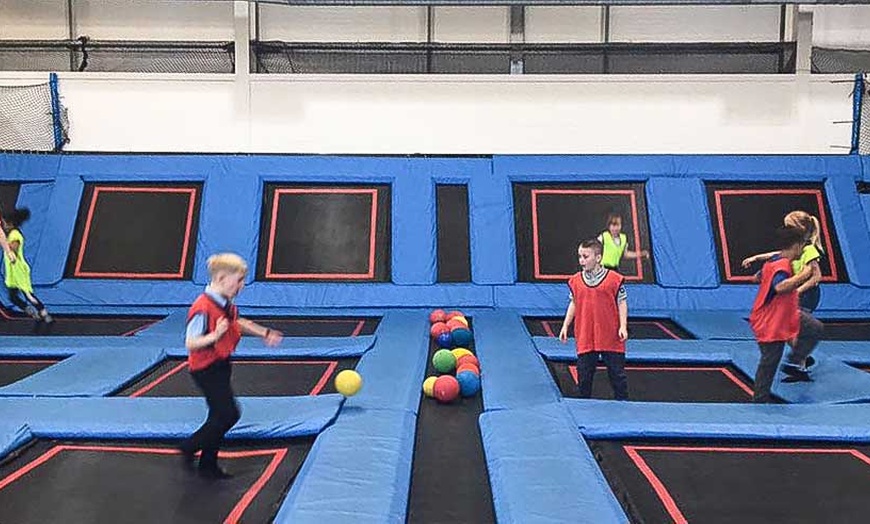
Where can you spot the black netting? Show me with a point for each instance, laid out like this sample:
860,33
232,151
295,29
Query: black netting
864,132
828,60
128,57
378,57
27,120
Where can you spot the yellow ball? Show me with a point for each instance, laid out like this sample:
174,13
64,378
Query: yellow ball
460,352
428,386
460,318
348,382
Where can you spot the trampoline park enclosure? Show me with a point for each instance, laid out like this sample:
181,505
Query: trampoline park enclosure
347,256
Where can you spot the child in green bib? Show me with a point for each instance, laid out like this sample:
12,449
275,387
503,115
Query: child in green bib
615,244
18,270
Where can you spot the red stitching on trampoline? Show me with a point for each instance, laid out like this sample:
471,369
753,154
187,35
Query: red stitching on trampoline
725,371
535,229
823,221
324,378
191,191
665,496
369,274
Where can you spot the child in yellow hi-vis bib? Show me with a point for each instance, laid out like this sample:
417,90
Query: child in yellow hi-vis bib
18,270
615,244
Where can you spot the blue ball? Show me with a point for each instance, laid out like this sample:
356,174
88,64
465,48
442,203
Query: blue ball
461,337
445,340
469,383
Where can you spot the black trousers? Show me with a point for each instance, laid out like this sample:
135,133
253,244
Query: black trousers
223,412
22,299
771,354
615,363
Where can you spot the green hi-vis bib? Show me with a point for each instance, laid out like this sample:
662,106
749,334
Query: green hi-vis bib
612,253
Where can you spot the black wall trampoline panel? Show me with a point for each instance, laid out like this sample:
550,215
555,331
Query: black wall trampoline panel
552,220
745,218
8,196
325,233
454,256
135,231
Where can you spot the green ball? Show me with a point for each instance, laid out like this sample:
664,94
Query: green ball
444,361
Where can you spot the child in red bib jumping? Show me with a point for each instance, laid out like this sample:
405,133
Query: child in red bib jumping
776,317
213,331
599,311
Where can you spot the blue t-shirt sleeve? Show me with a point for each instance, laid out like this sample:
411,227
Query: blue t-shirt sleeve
196,326
778,277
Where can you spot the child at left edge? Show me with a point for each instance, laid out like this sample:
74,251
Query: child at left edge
599,311
18,282
214,329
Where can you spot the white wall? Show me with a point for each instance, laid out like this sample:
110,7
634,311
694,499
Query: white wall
442,115
839,26
33,19
695,24
348,24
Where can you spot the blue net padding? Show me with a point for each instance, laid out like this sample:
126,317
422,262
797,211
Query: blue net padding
512,373
12,436
345,481
599,419
541,470
92,373
392,371
167,418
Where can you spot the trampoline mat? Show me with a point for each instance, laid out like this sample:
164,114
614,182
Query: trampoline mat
15,369
846,329
717,482
74,325
449,480
251,378
638,328
662,382
319,326
108,482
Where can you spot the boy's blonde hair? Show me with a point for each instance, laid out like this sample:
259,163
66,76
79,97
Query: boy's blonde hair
226,262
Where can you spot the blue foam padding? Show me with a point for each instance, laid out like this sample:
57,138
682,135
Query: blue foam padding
358,470
725,325
649,350
57,233
35,197
513,375
414,237
220,230
121,417
735,298
295,347
677,236
541,470
12,436
852,232
854,352
392,370
175,324
833,381
93,373
492,238
603,419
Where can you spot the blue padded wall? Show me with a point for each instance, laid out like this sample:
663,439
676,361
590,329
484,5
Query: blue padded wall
682,239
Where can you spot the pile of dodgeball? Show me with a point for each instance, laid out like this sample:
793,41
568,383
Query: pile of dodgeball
457,367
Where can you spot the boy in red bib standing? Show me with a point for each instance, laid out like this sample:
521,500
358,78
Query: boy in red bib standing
599,311
213,331
775,316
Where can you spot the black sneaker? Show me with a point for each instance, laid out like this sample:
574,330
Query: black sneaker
809,362
795,374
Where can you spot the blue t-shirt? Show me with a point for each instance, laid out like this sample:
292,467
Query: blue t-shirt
778,278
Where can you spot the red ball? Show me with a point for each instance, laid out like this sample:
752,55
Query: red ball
437,316
455,324
438,328
468,367
468,359
446,388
